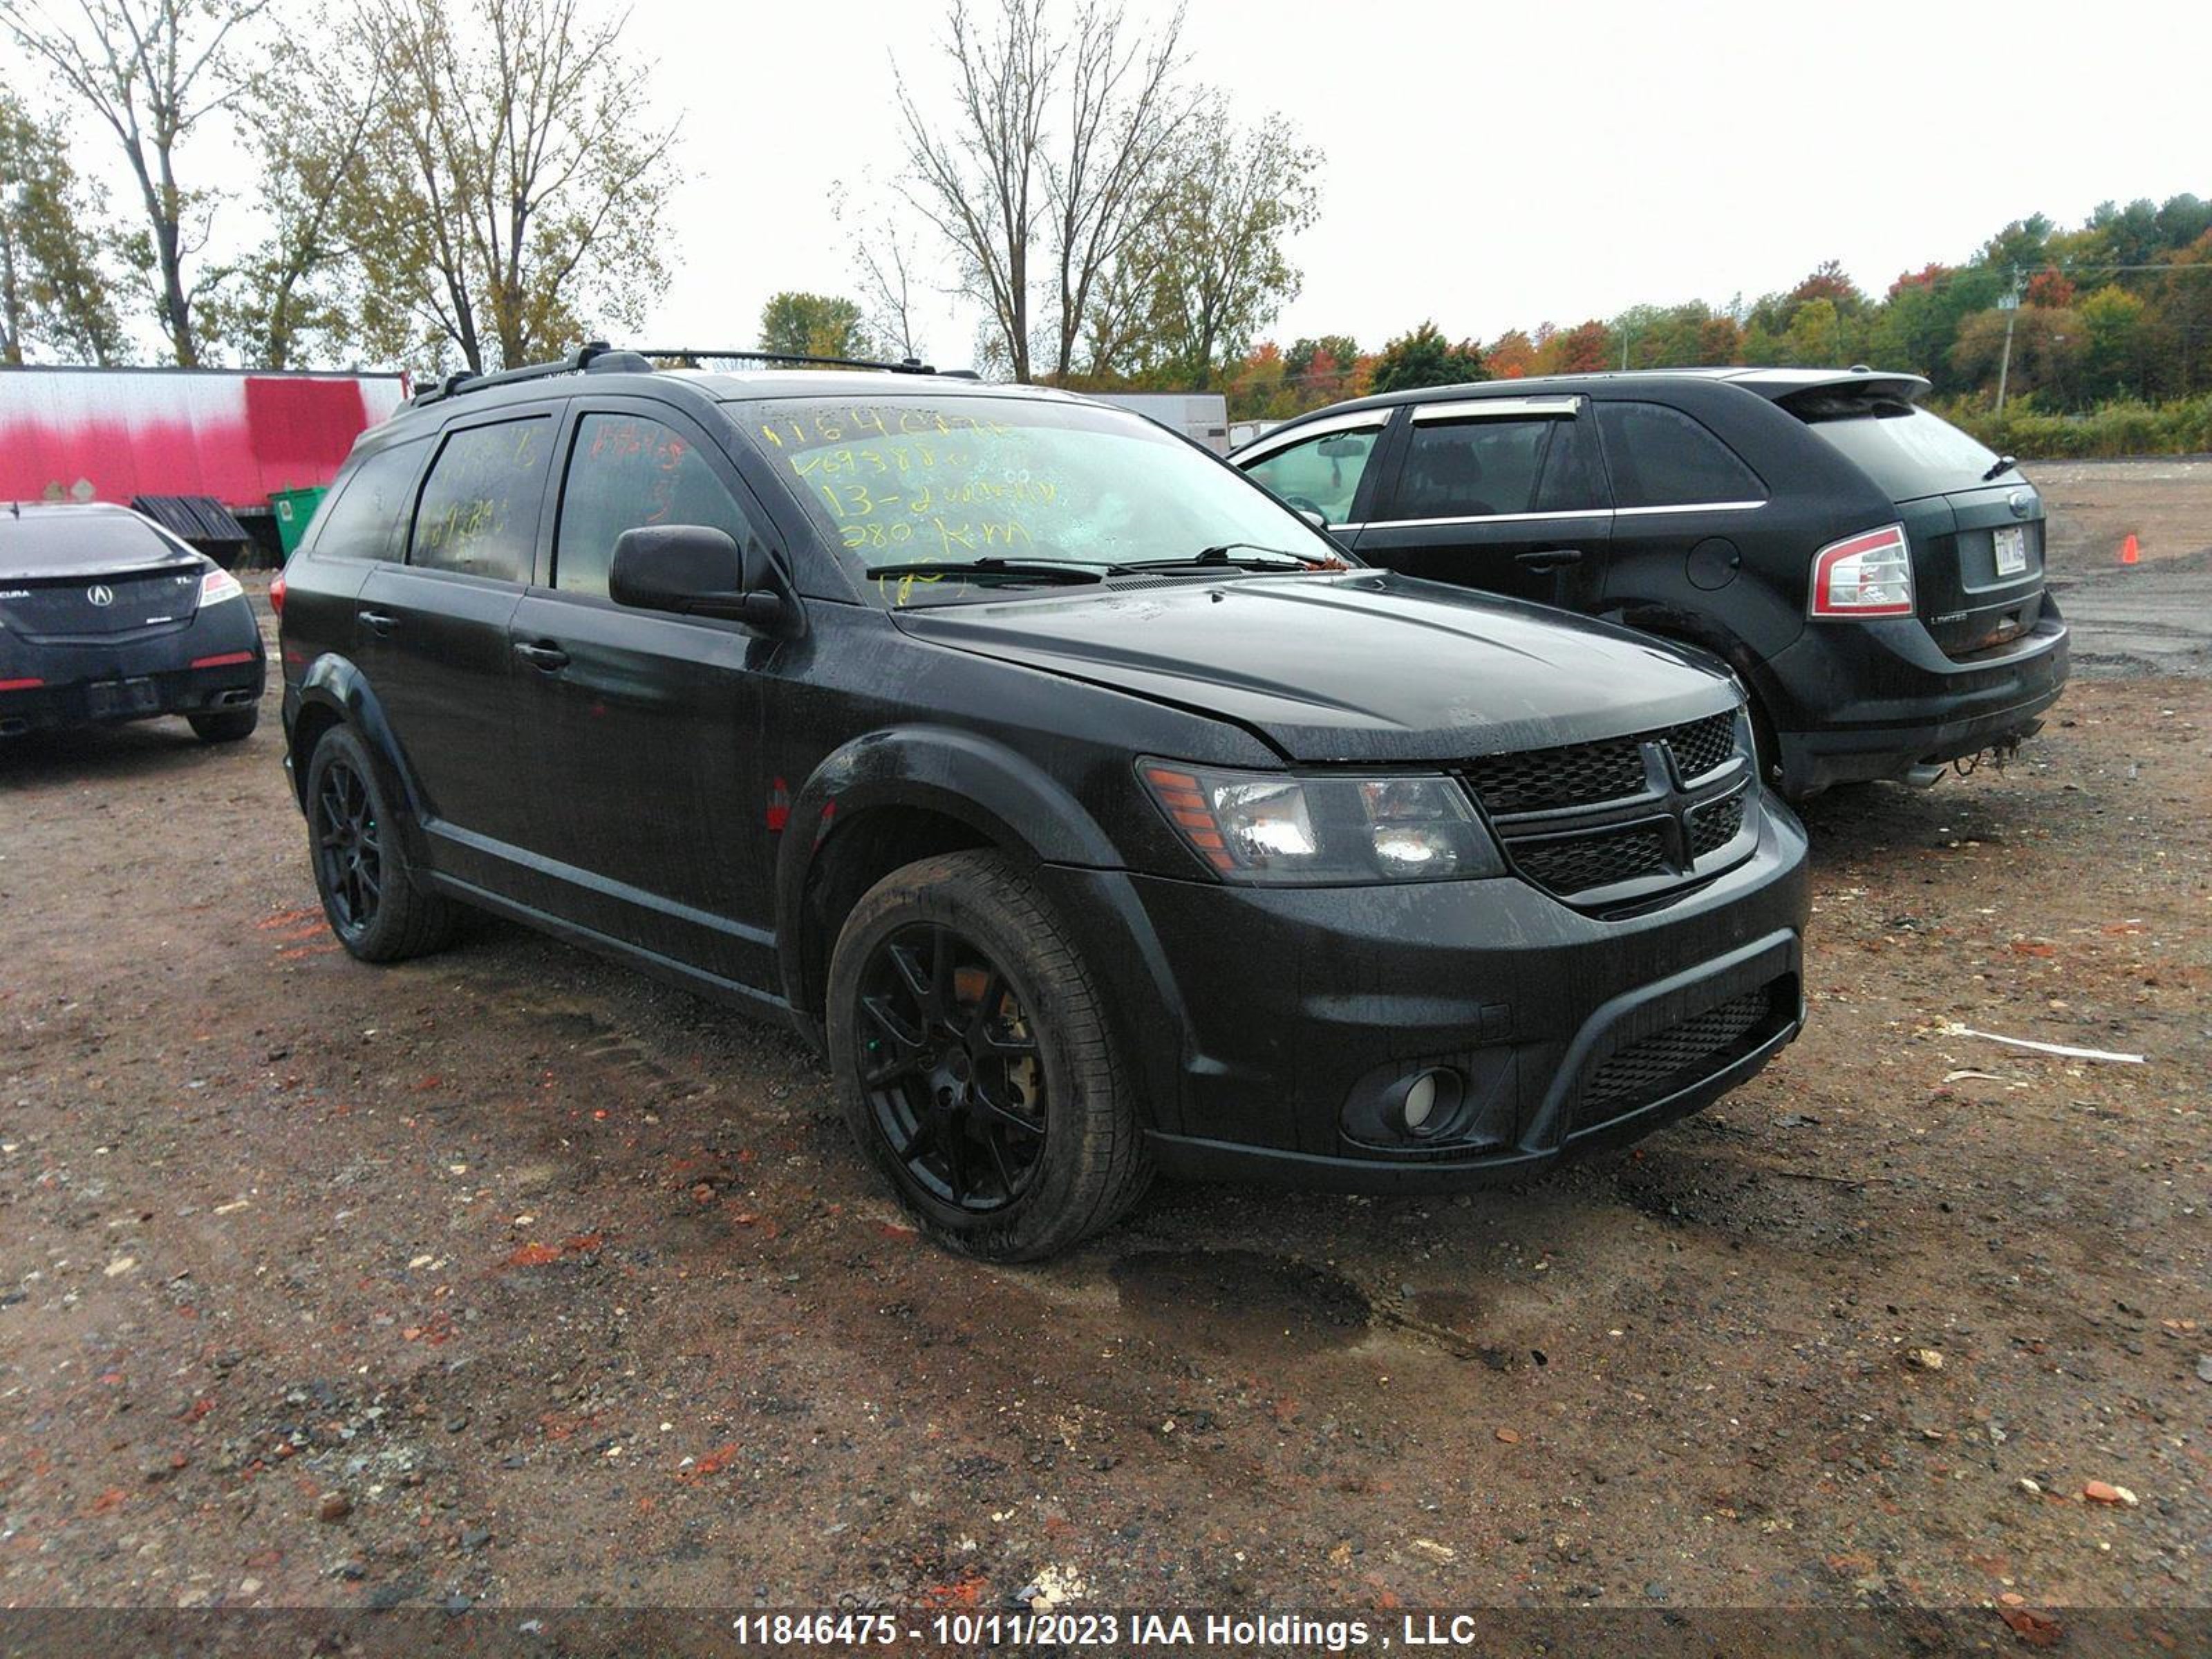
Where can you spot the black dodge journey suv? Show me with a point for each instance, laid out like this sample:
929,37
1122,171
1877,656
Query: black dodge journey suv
1873,574
1087,806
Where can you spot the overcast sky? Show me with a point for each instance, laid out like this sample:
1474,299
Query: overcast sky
1494,165
1489,166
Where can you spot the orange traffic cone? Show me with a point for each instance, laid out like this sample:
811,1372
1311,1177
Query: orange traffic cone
2130,553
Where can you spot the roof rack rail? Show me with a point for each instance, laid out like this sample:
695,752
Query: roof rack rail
593,356
904,365
597,357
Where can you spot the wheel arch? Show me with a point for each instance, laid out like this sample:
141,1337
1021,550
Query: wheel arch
334,692
886,799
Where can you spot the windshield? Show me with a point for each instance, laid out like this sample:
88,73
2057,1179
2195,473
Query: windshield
901,484
1904,449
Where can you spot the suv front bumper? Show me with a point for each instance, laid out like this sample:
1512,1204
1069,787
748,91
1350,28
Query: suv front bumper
1857,702
1266,1023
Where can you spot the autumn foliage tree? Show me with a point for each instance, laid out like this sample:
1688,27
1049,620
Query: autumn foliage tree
1422,356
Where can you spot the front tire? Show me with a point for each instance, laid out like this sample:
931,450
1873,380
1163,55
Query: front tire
977,1067
368,889
231,726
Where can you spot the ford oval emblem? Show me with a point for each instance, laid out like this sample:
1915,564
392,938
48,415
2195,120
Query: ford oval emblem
100,596
2021,501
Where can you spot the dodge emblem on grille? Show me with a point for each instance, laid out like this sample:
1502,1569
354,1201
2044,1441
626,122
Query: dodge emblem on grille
1675,801
100,596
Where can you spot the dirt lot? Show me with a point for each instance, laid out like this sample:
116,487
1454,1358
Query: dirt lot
511,1276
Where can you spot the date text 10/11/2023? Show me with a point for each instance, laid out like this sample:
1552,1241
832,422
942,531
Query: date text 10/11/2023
1080,1631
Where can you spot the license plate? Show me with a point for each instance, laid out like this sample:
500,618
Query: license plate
122,697
2012,549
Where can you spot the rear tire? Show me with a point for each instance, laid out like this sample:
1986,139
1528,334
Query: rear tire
229,726
978,1070
370,893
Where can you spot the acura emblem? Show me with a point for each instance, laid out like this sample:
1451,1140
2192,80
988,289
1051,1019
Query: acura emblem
100,596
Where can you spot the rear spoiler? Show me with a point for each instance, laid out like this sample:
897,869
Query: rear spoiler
1857,390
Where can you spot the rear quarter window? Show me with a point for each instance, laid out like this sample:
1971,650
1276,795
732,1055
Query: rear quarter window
1906,451
1659,456
366,518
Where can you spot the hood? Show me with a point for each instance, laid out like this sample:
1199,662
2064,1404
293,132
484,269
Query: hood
1366,667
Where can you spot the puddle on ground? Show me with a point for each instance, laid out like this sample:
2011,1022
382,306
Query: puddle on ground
1239,1302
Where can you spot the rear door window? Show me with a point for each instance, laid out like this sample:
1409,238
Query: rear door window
367,517
480,505
626,472
1906,450
1659,456
1321,473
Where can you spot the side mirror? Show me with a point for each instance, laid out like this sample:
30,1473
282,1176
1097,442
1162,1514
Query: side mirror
696,570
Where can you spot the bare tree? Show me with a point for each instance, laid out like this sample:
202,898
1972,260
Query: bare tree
1053,160
1107,176
515,180
153,70
886,258
983,185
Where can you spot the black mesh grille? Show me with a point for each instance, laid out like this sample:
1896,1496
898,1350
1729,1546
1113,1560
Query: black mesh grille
1644,1071
1716,826
1578,864
1703,745
1578,774
1540,779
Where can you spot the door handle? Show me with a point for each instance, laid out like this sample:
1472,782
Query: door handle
1550,558
540,654
377,622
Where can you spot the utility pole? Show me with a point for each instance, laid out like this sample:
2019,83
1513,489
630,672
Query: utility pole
2009,303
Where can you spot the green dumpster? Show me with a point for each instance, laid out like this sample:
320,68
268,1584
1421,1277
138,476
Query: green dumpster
296,510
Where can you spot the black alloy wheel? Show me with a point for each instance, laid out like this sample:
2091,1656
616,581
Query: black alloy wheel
378,908
976,1065
955,1083
349,847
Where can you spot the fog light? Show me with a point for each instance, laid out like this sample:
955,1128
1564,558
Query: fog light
1420,1100
1427,1103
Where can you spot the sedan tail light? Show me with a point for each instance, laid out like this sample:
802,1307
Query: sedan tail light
276,595
220,585
1864,576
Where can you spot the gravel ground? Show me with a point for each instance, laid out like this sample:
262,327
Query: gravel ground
510,1276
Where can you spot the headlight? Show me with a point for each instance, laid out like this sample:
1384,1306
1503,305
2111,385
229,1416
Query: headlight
220,585
1275,829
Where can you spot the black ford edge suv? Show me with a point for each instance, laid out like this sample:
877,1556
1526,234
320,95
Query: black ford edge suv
1874,573
1085,804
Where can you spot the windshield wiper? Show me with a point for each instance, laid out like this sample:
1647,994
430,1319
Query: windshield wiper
1210,557
2005,463
1040,570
